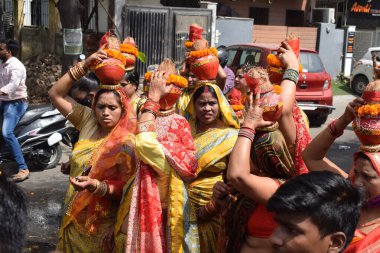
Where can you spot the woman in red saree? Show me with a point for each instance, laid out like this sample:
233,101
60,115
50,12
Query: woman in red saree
365,174
157,213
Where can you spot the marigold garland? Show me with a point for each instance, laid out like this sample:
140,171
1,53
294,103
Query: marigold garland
277,89
172,79
201,53
129,49
116,54
237,107
274,61
369,110
188,44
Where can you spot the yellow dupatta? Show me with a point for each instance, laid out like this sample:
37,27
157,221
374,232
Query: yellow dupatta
212,149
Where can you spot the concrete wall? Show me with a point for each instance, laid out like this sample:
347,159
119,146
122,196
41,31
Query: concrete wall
330,48
231,31
35,41
277,10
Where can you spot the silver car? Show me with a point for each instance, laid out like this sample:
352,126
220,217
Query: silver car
362,72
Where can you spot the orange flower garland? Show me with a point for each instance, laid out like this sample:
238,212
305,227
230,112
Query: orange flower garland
201,53
129,49
237,107
111,53
172,79
277,89
369,110
188,44
273,61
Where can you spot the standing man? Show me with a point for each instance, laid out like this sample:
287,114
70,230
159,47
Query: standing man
13,101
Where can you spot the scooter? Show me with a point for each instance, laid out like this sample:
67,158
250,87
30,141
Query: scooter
39,132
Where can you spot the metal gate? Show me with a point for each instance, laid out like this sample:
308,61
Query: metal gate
363,40
160,32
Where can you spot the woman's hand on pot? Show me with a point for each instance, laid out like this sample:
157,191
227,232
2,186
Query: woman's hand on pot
253,117
158,87
288,57
350,112
81,183
98,56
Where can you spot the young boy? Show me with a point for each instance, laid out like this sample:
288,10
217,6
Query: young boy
315,212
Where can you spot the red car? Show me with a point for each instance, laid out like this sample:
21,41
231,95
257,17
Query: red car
314,93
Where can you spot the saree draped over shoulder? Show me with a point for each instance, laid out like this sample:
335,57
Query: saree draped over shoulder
184,100
365,243
212,150
270,155
303,138
161,218
87,216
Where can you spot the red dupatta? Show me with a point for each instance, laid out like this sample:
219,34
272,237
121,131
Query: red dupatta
146,228
112,162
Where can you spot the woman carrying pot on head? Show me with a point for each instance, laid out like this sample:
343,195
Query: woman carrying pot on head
214,127
156,214
365,173
260,161
102,160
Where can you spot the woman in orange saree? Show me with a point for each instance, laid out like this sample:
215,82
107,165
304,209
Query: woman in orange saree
365,174
101,163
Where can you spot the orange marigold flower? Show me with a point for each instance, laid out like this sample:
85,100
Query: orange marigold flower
113,53
368,110
188,44
172,79
201,53
273,60
237,107
277,89
129,49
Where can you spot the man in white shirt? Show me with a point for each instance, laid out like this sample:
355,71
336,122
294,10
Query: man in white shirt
13,101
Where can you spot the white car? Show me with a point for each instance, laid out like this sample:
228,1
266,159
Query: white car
362,72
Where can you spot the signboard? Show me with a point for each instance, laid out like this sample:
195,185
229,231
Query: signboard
72,41
350,42
364,8
365,14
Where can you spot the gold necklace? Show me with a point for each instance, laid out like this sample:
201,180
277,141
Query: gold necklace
166,113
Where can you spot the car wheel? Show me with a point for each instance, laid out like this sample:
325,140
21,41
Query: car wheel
317,121
359,83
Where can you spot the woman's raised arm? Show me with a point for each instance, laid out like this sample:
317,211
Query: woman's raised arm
58,93
314,155
239,173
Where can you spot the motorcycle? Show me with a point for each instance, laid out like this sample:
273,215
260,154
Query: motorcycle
39,132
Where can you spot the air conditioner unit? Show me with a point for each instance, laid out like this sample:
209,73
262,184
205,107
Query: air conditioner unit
323,15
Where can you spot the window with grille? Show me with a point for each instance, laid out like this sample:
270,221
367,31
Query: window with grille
36,13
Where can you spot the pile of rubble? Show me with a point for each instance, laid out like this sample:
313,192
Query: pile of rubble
42,72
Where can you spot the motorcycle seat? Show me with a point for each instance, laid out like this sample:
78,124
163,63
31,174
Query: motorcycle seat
34,112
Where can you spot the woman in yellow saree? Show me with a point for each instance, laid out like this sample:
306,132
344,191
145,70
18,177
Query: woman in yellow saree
102,161
214,127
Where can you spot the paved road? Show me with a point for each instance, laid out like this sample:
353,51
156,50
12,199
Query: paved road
46,189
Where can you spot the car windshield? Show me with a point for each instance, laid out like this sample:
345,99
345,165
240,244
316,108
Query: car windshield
311,62
231,56
249,56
